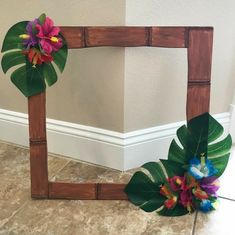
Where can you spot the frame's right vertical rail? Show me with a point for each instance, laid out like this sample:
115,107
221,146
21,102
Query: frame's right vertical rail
199,70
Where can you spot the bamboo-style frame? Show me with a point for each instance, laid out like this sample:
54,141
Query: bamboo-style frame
197,40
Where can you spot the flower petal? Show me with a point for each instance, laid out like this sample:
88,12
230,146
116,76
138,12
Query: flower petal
54,31
206,206
47,26
46,46
40,31
56,45
195,172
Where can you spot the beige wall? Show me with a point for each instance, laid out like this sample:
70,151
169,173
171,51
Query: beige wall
155,79
90,91
125,90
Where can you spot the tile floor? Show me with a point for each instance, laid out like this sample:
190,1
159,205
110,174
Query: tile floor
19,214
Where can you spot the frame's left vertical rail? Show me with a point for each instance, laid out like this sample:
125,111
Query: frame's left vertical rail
38,145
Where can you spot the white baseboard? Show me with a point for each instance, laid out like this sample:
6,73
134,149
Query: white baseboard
120,151
232,121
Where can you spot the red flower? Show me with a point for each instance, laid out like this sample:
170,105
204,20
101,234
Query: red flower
177,183
171,198
200,194
170,203
36,57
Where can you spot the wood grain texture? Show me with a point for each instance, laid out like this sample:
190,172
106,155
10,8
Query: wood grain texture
200,42
86,191
198,99
120,36
74,36
200,53
38,171
116,36
111,192
37,116
38,146
171,37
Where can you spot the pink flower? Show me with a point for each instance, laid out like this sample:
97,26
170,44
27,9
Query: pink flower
47,34
186,199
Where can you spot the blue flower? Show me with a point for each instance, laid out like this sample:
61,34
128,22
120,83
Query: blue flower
206,206
201,168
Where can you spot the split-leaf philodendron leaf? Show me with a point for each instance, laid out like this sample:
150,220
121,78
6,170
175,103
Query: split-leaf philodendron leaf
28,78
198,138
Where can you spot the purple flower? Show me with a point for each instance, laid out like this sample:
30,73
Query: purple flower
210,185
32,40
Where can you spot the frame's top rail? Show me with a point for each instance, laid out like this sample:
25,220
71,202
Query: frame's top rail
128,36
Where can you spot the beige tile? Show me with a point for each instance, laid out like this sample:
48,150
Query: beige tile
93,218
84,172
219,222
21,215
14,184
15,178
55,164
182,225
80,172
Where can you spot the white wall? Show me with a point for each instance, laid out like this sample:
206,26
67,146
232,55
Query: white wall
155,79
122,90
90,91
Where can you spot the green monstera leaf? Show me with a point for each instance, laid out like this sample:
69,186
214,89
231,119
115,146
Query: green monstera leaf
200,136
28,79
143,189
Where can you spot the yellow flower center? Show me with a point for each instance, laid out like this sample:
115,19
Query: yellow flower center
24,36
54,39
189,208
178,181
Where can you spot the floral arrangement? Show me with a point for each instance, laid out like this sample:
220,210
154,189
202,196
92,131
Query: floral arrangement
35,44
188,179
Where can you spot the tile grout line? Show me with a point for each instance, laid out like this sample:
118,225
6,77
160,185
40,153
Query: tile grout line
60,169
194,223
226,198
14,213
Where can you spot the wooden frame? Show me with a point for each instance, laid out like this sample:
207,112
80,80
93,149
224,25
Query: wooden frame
197,40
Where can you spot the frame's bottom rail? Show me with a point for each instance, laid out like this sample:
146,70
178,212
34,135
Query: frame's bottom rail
86,191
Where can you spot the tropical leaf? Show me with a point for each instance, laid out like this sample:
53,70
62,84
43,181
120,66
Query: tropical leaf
199,137
29,79
11,59
42,18
172,168
12,39
178,210
143,192
157,171
60,57
49,74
